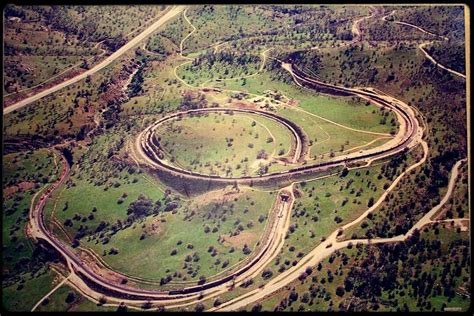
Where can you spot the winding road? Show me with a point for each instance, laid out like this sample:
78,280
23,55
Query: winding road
330,245
94,285
409,135
423,45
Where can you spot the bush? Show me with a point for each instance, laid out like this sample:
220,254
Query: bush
246,250
199,308
340,291
267,273
70,297
256,308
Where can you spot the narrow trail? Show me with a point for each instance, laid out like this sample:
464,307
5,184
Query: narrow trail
356,31
49,293
275,243
262,66
423,45
275,231
189,60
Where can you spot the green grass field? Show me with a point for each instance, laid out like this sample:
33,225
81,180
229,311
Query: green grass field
223,144
24,175
169,231
342,110
329,203
181,239
24,295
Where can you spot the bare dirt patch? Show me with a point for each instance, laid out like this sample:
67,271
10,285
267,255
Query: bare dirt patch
9,190
26,185
22,187
293,102
238,241
297,193
154,228
244,105
221,196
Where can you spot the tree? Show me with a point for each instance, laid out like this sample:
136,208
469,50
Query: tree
141,207
70,297
340,291
257,308
199,308
344,172
122,307
147,305
267,273
102,300
202,280
293,296
246,250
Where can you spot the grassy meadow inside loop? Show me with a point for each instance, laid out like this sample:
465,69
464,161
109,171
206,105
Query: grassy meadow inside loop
222,144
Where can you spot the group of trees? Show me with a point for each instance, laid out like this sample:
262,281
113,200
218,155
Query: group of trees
226,57
143,207
421,271
191,101
136,85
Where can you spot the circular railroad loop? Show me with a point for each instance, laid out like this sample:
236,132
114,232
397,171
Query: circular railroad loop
151,153
95,285
152,148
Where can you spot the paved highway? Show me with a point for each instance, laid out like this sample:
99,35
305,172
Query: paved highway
165,18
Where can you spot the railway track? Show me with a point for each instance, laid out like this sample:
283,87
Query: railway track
148,149
94,285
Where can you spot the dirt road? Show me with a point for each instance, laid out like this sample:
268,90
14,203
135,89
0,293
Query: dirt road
326,248
423,45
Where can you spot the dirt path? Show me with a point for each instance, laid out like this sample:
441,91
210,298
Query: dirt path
276,240
62,72
122,50
327,248
356,32
423,45
49,293
454,72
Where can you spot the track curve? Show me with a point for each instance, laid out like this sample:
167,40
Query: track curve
147,149
95,285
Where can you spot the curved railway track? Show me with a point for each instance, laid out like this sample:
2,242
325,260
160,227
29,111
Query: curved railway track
94,285
148,149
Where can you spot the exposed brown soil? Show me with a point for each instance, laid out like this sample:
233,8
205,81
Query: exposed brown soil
245,237
22,187
293,102
9,190
244,105
154,228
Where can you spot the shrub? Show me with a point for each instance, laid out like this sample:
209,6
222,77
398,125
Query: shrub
267,273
